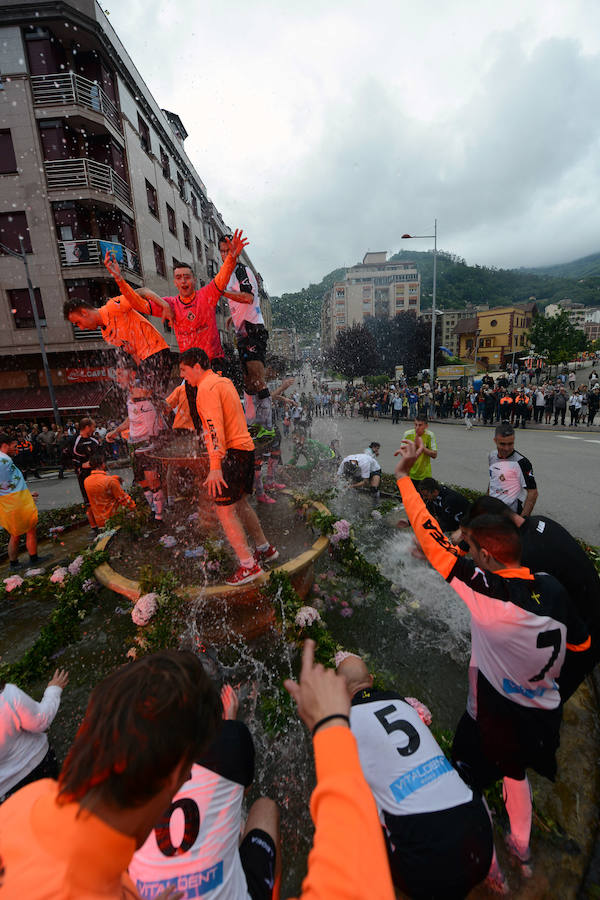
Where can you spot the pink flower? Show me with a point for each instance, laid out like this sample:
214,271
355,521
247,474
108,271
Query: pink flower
76,565
424,713
316,589
31,573
59,575
144,609
341,531
306,616
334,599
346,611
12,582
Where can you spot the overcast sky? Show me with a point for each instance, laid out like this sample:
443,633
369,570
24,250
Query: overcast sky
328,128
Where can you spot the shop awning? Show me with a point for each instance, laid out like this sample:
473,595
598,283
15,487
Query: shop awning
71,397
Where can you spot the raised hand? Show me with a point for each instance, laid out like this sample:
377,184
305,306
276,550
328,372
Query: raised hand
237,242
112,265
409,452
320,693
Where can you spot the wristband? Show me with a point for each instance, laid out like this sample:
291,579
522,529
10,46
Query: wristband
328,719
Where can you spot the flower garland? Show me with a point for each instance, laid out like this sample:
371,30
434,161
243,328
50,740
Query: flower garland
72,591
159,614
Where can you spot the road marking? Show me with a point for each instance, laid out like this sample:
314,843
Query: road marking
570,437
590,441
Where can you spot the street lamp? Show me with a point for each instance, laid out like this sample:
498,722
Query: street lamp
23,257
432,349
477,333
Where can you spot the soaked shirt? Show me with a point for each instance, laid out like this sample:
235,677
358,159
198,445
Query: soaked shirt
105,495
194,320
244,280
122,326
511,478
223,421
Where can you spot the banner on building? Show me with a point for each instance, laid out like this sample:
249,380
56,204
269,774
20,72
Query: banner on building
101,373
76,252
117,249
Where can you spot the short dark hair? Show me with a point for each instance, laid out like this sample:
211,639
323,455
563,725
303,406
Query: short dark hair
184,266
85,422
97,458
5,438
498,535
421,417
504,429
486,506
195,356
428,484
224,238
73,304
374,444
145,719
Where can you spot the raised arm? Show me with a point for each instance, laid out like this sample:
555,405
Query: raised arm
137,302
159,306
236,245
440,552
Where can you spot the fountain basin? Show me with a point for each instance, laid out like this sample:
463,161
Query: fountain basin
223,608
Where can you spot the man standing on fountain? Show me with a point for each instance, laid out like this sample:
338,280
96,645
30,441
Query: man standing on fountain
192,311
231,454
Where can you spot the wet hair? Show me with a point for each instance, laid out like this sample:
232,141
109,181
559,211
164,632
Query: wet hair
374,444
486,506
85,423
97,458
224,238
6,438
504,429
195,356
421,417
183,266
75,303
498,535
145,719
428,484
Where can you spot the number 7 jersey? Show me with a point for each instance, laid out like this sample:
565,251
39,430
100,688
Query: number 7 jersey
521,624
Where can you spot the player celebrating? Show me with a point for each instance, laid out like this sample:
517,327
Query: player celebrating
192,311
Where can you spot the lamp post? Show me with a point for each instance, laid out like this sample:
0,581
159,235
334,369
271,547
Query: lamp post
477,333
433,311
23,257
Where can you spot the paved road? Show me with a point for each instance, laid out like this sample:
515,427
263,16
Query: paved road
55,493
566,466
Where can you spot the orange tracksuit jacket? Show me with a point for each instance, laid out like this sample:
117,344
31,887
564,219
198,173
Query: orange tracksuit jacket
222,415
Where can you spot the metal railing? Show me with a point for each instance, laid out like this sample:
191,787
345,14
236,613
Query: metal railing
68,174
67,87
89,253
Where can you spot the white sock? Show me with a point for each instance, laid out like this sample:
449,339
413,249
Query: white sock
263,546
248,563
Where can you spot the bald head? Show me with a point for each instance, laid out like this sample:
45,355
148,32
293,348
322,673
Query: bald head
355,673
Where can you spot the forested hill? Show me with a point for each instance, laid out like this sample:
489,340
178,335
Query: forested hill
457,285
579,268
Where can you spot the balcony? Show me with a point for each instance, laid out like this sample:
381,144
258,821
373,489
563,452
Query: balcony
75,254
66,88
74,174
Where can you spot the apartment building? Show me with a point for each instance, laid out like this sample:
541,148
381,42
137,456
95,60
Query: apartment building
376,287
496,336
88,162
284,342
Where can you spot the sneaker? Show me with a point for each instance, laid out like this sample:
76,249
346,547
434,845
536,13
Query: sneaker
522,858
16,565
262,498
144,448
40,558
244,575
268,555
274,486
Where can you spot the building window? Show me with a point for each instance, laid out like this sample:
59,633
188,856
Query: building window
194,205
171,220
20,307
412,301
340,292
164,162
493,323
159,260
13,225
144,132
152,199
187,238
8,160
198,243
181,184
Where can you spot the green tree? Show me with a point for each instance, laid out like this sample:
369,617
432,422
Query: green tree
354,353
557,337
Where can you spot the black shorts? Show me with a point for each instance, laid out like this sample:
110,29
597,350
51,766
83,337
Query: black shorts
238,472
440,854
81,476
506,739
253,345
257,853
155,371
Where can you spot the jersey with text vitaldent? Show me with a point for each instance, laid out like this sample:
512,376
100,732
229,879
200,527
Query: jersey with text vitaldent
243,279
521,624
195,322
401,760
511,478
194,847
